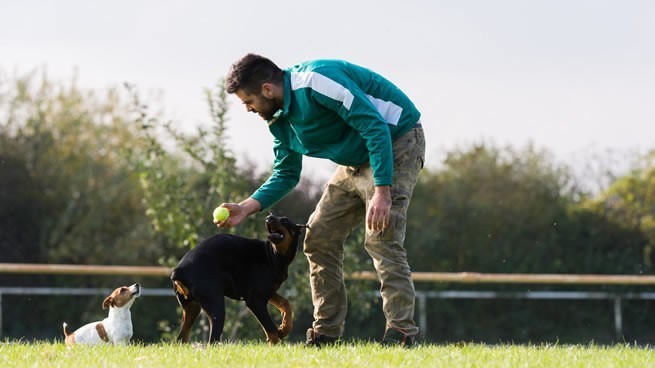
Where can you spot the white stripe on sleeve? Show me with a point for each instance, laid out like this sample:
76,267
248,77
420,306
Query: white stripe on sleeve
329,88
389,110
322,85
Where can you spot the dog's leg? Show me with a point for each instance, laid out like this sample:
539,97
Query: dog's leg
214,307
258,307
190,311
284,307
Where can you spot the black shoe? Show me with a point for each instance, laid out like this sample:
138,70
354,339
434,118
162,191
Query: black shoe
394,337
318,340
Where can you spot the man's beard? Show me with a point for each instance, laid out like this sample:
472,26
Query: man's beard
268,108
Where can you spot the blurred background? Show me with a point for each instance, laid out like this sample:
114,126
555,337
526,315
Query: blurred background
117,141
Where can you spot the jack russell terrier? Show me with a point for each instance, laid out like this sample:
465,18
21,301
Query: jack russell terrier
116,328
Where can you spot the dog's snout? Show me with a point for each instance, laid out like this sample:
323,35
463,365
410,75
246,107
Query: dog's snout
135,289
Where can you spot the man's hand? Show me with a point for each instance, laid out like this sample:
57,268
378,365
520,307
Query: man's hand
239,212
377,218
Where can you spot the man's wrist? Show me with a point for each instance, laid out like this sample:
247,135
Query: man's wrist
250,205
383,190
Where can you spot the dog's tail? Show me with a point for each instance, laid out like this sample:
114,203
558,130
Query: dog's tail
67,332
181,289
70,337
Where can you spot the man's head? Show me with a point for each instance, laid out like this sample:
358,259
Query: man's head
258,82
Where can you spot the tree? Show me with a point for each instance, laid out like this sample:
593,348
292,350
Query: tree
629,203
488,210
63,148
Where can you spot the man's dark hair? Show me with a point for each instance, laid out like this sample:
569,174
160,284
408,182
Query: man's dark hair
250,72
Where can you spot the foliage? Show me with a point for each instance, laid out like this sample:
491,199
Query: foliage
629,203
486,207
65,188
507,210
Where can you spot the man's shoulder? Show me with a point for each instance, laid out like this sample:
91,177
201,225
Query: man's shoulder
327,72
318,65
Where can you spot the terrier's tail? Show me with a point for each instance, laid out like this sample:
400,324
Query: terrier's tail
66,330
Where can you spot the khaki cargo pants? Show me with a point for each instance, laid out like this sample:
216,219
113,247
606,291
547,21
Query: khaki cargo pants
343,207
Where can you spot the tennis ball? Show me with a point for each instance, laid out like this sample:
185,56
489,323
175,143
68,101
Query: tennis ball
221,214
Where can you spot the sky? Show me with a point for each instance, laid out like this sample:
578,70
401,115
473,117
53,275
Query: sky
567,76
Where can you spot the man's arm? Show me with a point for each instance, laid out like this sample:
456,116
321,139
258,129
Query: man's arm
337,92
285,176
357,111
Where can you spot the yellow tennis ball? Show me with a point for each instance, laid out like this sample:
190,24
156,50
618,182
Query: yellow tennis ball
221,214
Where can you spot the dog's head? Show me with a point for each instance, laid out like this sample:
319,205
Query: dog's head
122,296
283,234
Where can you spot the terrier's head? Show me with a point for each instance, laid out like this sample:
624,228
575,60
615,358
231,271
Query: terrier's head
123,296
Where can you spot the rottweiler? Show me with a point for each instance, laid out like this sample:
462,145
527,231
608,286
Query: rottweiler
240,268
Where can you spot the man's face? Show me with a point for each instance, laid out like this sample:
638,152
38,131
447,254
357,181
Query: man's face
258,103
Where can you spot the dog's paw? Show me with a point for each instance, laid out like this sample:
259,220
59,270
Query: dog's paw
273,339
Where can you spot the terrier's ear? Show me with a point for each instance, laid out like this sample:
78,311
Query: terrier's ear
109,301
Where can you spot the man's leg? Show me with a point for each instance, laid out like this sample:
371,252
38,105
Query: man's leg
386,248
336,214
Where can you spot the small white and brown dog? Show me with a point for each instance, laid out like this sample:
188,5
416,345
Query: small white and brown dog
116,328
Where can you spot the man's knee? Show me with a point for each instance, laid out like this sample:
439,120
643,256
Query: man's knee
325,236
315,239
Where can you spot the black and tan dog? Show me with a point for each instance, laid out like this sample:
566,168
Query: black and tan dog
239,268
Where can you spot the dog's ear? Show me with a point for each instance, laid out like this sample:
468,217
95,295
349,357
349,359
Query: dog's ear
109,301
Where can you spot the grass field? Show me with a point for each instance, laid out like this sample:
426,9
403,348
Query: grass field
48,354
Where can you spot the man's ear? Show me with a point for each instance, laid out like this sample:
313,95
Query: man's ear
268,90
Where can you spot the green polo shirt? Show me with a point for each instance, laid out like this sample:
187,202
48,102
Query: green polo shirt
339,111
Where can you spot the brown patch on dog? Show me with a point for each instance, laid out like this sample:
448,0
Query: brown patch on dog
100,328
181,289
280,235
70,340
70,337
117,298
284,307
282,245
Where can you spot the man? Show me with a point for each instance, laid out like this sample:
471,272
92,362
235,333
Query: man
348,114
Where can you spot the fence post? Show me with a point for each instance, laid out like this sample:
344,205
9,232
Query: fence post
422,314
618,318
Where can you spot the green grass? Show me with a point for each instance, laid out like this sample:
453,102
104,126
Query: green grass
48,354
